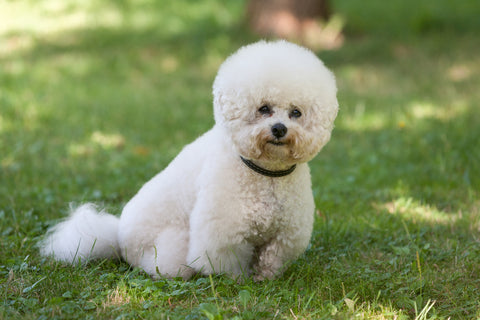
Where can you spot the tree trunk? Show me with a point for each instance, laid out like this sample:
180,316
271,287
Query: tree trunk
298,20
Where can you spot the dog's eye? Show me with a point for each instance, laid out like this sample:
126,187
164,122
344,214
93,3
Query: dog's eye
265,109
295,113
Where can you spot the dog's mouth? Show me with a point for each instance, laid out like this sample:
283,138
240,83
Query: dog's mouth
276,143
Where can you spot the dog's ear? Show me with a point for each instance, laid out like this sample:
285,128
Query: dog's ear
229,106
219,107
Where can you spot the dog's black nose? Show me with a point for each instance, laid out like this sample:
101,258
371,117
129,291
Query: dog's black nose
279,130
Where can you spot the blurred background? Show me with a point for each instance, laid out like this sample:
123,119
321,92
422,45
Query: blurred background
116,81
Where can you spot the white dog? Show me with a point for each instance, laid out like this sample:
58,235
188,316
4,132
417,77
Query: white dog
237,200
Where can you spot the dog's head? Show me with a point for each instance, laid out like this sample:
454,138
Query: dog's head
277,102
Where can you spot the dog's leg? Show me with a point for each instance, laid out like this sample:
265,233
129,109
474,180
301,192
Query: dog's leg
231,259
165,257
272,258
209,253
269,261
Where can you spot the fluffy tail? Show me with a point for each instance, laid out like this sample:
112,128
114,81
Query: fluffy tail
86,234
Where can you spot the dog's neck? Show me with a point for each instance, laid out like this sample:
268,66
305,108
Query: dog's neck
267,172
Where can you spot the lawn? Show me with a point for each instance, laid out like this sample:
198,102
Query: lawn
98,96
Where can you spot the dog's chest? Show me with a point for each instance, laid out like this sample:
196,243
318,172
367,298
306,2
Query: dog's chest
267,212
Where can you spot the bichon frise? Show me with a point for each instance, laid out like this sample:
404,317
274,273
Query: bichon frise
237,200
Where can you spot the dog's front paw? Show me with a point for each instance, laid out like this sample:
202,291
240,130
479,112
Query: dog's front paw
264,274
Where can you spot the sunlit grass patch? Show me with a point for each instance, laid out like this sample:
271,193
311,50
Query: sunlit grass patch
415,211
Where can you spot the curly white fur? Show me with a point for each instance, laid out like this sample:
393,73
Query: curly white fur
207,211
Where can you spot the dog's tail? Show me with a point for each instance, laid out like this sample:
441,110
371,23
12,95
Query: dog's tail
86,234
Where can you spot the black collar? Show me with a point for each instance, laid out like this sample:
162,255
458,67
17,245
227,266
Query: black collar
265,172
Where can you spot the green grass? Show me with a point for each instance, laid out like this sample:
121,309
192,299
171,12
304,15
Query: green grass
95,98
